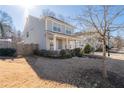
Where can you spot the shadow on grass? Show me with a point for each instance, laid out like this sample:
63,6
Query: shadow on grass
12,58
64,71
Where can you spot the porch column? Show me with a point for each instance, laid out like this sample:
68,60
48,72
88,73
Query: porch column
75,43
54,42
47,41
67,45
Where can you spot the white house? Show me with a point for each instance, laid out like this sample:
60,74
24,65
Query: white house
89,37
49,33
8,41
8,31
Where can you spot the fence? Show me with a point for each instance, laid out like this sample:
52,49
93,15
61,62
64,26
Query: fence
26,49
7,44
21,48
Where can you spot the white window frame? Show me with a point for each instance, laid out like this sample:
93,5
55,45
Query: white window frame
54,24
68,29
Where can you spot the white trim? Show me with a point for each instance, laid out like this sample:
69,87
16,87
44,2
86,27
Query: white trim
54,42
67,43
46,37
52,25
46,24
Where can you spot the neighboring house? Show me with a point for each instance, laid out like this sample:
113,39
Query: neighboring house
116,42
49,33
89,37
9,37
8,32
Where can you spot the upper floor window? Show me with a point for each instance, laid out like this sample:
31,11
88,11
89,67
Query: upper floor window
27,34
56,27
68,31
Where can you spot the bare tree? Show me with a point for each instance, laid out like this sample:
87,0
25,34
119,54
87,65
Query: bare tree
47,12
118,41
104,20
5,19
61,17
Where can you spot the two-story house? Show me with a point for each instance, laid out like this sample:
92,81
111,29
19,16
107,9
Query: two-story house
49,33
9,39
8,31
89,37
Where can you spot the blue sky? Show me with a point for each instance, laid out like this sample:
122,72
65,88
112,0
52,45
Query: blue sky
18,12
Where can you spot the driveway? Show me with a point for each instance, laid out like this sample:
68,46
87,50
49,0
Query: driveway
115,62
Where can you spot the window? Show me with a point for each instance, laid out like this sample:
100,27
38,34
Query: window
68,31
27,34
51,44
56,27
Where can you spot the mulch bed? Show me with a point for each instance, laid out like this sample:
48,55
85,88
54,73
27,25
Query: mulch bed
92,78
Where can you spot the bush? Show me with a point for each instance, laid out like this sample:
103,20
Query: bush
53,54
47,53
72,52
88,49
78,52
43,53
65,54
99,49
36,52
7,52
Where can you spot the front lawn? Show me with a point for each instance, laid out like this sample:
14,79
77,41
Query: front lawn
34,71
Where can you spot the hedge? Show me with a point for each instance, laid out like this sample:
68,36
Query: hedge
64,53
7,52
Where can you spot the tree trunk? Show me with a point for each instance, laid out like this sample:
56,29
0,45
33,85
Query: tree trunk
104,69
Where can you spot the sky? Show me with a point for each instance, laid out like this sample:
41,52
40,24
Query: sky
19,13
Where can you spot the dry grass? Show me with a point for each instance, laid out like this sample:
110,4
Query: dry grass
18,73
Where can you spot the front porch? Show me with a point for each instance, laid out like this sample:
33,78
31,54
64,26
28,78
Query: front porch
58,42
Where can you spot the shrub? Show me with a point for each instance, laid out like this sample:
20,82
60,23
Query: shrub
43,53
78,52
65,53
88,49
46,53
72,52
7,52
36,52
53,54
99,49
